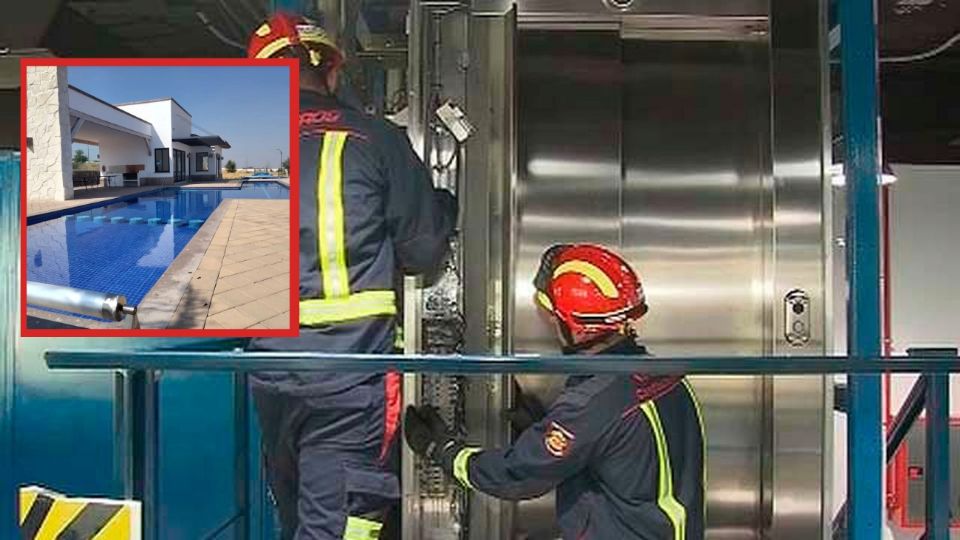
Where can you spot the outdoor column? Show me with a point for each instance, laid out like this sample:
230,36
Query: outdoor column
48,160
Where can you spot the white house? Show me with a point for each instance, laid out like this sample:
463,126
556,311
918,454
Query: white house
181,154
141,143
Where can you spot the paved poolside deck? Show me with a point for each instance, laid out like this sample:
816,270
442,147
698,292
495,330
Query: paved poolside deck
234,275
82,197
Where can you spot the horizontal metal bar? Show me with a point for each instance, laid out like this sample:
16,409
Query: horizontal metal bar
239,360
107,306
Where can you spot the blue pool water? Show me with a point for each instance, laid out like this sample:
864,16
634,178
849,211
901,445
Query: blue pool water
124,247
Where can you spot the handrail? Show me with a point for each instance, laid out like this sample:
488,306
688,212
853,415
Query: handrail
238,360
913,405
908,414
899,427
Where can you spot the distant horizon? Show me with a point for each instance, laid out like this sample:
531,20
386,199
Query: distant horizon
83,148
227,101
79,146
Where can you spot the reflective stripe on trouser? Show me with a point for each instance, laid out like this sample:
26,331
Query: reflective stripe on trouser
331,248
670,506
318,311
362,529
398,342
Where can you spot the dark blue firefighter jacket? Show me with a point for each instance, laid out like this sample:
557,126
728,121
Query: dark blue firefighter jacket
368,213
623,469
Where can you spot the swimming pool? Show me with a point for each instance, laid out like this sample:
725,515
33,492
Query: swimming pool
125,246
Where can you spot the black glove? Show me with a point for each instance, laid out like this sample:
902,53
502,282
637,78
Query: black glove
526,411
429,436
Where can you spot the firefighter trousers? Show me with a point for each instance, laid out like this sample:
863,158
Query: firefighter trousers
332,459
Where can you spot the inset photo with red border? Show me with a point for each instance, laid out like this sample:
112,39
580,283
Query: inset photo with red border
156,197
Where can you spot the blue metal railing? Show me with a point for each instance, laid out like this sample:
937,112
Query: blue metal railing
930,391
929,386
240,361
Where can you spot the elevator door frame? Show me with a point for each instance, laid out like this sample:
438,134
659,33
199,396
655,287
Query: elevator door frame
793,479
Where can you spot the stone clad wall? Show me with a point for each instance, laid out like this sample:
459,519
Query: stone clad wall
49,166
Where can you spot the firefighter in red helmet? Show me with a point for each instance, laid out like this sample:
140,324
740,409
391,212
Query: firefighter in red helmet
368,210
624,452
292,36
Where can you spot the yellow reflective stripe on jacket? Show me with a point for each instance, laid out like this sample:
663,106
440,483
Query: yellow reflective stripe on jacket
670,506
703,439
361,529
317,311
332,249
460,470
337,304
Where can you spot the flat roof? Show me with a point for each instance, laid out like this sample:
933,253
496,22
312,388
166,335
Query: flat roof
111,105
156,100
213,140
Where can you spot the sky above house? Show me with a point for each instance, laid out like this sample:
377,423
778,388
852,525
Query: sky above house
248,106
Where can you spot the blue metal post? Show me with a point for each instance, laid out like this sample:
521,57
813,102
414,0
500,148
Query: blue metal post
864,442
242,473
146,431
937,473
9,296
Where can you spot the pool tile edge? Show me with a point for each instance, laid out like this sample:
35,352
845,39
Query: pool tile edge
42,216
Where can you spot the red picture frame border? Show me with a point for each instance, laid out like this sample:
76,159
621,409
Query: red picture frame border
292,65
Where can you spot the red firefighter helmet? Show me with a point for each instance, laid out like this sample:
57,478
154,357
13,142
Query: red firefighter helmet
590,289
288,34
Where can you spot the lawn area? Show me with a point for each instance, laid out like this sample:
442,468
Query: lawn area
235,175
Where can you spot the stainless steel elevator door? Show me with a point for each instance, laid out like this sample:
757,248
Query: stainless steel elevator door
696,122
656,148
568,186
569,133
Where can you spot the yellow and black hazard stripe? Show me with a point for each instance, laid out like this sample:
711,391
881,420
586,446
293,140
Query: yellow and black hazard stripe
45,515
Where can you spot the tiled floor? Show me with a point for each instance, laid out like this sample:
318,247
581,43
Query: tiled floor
243,280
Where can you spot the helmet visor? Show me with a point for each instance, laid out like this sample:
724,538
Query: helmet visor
613,317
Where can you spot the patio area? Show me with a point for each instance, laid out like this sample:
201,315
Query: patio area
240,280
